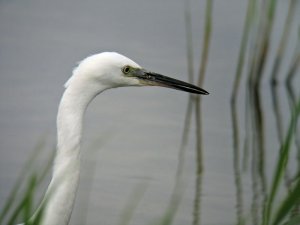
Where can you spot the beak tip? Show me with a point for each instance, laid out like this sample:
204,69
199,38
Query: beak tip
203,92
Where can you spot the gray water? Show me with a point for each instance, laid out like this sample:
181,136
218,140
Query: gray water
40,43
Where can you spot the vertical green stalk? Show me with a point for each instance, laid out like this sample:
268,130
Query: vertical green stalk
240,65
264,50
206,41
236,164
189,41
258,150
132,204
295,63
281,164
190,63
202,71
258,118
262,44
283,41
199,168
178,188
25,172
293,197
243,47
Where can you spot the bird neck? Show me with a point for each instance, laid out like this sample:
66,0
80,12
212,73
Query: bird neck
60,195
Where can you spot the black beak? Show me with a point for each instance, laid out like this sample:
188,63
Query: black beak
154,79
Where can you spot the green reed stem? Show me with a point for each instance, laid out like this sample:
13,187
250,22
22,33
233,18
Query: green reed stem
243,47
283,41
206,41
279,171
24,174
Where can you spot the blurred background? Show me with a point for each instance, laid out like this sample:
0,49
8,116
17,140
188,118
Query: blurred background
166,156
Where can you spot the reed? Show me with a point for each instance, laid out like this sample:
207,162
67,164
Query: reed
243,47
20,204
283,41
264,194
293,198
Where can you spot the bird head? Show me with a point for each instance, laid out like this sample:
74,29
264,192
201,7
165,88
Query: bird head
111,69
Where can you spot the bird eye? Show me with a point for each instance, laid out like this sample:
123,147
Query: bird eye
126,69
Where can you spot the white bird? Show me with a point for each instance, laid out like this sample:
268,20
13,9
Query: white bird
93,75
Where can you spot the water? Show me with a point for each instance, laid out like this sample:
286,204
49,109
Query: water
40,42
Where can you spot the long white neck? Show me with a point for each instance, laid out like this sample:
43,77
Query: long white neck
60,195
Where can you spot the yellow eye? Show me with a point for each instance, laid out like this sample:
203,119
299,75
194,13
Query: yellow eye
126,69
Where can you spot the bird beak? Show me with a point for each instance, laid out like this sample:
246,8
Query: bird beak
154,79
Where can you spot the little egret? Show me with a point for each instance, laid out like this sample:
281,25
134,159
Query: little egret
93,75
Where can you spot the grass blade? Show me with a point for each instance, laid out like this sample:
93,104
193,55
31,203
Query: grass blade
292,199
243,45
294,221
132,204
279,171
21,178
283,42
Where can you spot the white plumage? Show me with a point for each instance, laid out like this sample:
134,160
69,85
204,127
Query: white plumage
93,75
